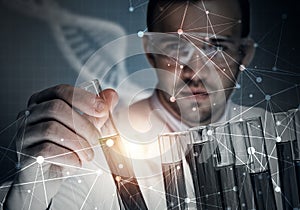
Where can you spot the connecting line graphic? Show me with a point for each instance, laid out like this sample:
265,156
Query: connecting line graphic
180,31
279,43
88,194
134,7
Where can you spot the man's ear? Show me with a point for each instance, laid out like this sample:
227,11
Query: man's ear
248,51
150,57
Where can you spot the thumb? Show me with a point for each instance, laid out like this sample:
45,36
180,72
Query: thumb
111,98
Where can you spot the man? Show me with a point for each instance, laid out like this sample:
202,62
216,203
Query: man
194,88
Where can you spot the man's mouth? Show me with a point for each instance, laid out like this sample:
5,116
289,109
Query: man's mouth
195,94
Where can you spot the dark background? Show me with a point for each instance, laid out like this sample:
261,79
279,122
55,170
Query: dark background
30,59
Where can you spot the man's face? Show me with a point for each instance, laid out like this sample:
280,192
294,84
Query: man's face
201,48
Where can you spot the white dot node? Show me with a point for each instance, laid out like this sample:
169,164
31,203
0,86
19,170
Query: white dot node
278,139
79,181
234,108
169,65
250,95
178,167
224,69
99,172
255,45
243,204
268,97
235,188
96,208
61,139
197,56
40,159
131,9
180,31
274,68
237,86
194,109
278,123
214,104
118,178
207,12
187,200
209,132
206,196
27,113
251,150
258,79
172,204
239,21
242,67
121,165
29,191
68,173
277,189
172,99
140,34
110,142
241,119
181,66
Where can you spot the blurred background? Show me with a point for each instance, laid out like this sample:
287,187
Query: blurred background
32,57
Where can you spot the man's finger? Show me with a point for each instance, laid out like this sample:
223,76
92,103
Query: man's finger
60,111
85,101
52,131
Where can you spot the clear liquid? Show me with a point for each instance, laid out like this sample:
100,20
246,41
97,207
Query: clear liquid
263,190
297,168
244,187
206,183
287,174
174,183
227,180
125,181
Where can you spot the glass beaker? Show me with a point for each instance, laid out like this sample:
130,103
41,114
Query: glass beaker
259,168
201,162
296,147
286,147
225,166
171,150
240,141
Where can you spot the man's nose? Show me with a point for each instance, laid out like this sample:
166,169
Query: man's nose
196,68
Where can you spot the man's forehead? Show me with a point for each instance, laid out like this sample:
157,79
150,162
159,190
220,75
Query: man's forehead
211,16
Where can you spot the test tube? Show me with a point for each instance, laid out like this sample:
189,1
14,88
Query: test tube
240,141
260,170
201,161
225,166
296,147
171,150
117,157
286,145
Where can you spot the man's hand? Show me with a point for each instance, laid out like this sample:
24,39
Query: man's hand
60,135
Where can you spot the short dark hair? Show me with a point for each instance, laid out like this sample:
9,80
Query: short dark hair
244,5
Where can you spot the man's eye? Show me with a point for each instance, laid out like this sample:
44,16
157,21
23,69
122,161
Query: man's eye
219,48
173,46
